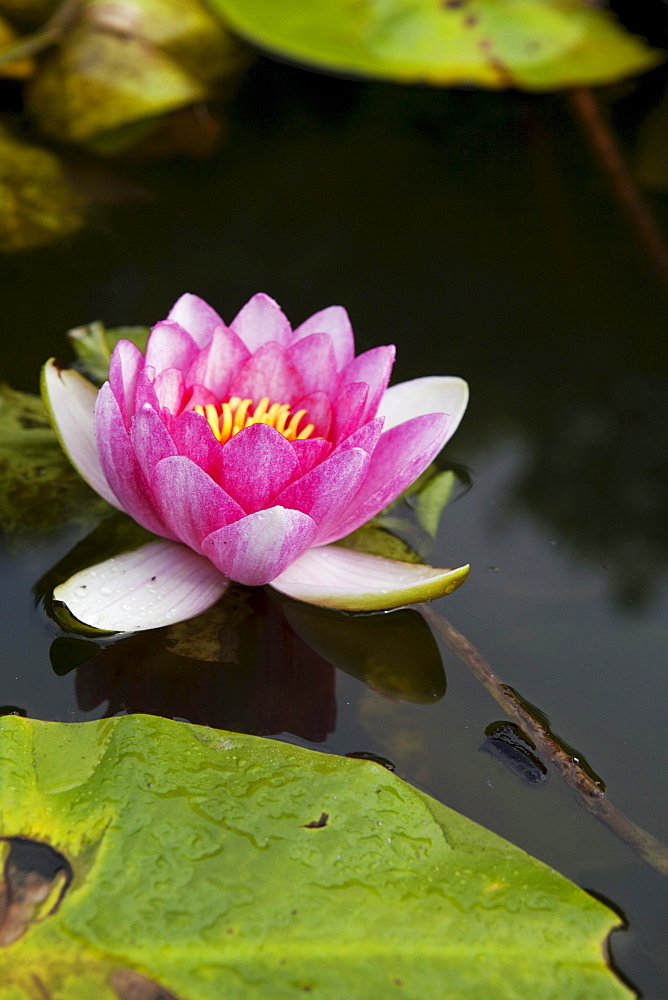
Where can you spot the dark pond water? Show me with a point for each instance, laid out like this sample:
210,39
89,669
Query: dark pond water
473,231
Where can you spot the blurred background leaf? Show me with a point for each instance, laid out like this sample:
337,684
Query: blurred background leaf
37,203
532,45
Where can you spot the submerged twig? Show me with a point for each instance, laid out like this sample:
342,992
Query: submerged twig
571,768
611,159
49,34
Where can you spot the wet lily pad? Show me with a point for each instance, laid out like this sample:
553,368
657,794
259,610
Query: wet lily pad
530,44
37,203
199,863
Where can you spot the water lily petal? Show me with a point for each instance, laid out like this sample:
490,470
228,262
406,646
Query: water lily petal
155,585
201,396
335,323
70,401
326,491
193,437
310,451
365,437
314,359
256,464
259,547
349,409
318,412
373,367
190,503
120,465
432,394
401,454
170,346
170,388
216,366
260,321
268,372
196,316
334,577
150,439
126,363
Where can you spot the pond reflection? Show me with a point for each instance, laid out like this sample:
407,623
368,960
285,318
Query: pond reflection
255,663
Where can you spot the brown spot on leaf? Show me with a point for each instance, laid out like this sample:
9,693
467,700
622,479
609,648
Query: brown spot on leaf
131,985
35,879
317,824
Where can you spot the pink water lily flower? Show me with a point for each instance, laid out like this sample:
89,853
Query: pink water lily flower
249,449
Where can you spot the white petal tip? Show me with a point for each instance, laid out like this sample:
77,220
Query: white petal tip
156,585
335,577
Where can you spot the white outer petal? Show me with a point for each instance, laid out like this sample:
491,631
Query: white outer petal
158,584
334,577
70,402
431,394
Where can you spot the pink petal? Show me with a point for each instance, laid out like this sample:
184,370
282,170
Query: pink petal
70,402
191,504
199,395
314,359
193,437
196,316
401,454
219,362
150,440
432,394
349,409
158,584
256,464
268,372
120,465
170,346
334,322
145,390
126,363
334,577
170,389
318,412
259,547
373,367
310,451
365,437
261,321
325,493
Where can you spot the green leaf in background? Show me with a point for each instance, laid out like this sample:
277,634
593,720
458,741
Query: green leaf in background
94,343
37,203
530,44
222,865
118,68
39,489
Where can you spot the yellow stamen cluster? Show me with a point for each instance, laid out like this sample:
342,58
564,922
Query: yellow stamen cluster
233,416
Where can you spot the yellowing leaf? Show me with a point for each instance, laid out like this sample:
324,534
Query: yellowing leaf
530,44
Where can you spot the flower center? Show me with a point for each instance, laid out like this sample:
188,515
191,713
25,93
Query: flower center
233,416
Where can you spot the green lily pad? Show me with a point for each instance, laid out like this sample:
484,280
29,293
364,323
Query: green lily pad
530,44
39,489
37,203
215,864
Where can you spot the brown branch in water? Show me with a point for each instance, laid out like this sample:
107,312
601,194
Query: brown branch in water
605,147
594,799
49,34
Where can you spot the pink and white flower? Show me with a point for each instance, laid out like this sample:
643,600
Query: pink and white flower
249,449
